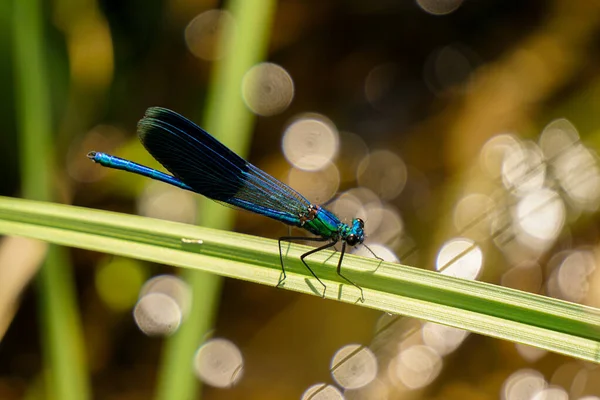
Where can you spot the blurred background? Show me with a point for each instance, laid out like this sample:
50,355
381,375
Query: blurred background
465,134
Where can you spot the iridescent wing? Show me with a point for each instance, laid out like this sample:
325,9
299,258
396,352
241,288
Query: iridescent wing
203,163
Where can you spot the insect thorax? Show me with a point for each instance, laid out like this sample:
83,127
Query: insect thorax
321,222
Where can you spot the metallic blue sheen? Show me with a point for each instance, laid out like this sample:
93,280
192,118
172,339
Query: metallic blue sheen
200,163
106,160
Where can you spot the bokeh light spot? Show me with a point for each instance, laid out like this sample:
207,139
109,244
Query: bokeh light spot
493,153
530,353
439,7
579,175
383,224
448,67
384,173
119,281
202,35
472,215
570,281
523,384
219,363
365,195
461,258
172,286
443,339
377,389
557,137
417,366
568,374
347,206
354,366
100,137
310,142
322,391
540,215
551,393
352,150
267,89
354,203
157,199
586,381
378,250
157,314
523,168
317,186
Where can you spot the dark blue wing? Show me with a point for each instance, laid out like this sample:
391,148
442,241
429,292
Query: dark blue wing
200,161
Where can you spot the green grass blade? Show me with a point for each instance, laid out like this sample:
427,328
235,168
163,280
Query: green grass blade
61,329
226,116
547,323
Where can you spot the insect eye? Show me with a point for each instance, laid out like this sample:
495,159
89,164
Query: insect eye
361,222
352,239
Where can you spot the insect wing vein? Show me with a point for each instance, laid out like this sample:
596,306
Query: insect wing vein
213,170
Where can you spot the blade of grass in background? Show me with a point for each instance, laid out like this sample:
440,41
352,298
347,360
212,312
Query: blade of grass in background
229,120
496,311
60,326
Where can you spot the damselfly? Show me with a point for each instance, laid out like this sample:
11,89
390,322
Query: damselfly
200,163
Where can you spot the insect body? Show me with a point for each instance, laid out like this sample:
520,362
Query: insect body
200,163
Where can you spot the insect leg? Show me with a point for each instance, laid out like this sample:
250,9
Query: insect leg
308,253
372,252
289,239
339,272
374,255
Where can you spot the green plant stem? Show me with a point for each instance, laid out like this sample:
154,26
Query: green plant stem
547,323
61,330
226,116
